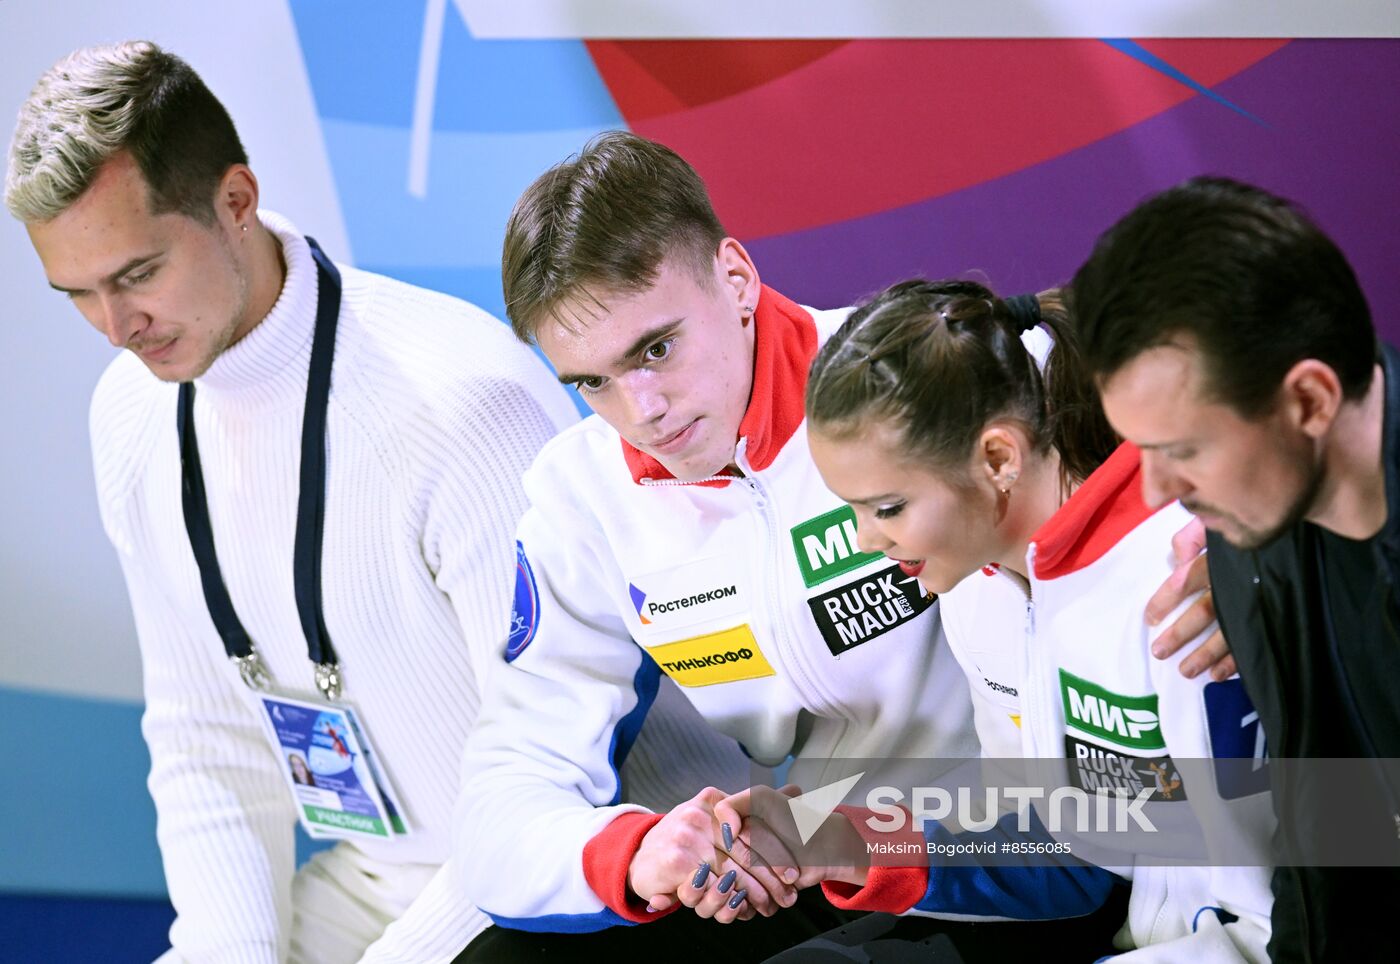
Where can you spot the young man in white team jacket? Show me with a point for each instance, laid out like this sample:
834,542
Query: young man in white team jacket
683,532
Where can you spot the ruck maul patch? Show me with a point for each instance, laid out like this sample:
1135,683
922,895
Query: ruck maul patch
866,608
1097,768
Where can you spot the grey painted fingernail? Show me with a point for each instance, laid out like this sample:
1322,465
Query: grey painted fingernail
728,836
702,875
738,898
727,881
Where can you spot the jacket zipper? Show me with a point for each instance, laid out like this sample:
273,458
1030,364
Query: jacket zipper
806,686
1029,674
799,678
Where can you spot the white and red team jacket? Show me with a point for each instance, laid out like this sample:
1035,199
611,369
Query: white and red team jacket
1062,670
749,593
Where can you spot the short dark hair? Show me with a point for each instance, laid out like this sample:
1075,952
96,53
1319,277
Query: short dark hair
605,218
100,101
1246,274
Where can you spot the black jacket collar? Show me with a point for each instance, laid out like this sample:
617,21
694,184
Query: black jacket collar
1390,451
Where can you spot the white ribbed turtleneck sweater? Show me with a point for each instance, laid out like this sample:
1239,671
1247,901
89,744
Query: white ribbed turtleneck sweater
435,412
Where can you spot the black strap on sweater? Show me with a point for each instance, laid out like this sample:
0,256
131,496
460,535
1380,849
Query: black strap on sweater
311,506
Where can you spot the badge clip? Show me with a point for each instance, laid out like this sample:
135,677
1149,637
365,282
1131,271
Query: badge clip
328,680
253,671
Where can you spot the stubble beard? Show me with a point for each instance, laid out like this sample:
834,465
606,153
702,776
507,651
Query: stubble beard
224,337
1251,539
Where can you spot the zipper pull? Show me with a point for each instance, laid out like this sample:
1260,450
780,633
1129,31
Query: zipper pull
759,501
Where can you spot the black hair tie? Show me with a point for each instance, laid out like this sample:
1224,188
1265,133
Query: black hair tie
1025,311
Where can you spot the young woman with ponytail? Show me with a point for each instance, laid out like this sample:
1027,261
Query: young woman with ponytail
1002,488
933,377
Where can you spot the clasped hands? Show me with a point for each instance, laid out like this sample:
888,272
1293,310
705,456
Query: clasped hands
730,856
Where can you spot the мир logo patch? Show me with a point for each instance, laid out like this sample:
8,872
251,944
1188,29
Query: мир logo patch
825,546
1129,721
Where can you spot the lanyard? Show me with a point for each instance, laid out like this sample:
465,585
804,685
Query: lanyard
311,506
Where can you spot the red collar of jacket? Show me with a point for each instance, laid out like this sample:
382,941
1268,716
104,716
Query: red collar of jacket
1096,518
785,341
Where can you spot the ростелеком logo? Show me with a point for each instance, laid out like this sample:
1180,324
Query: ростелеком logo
696,592
639,599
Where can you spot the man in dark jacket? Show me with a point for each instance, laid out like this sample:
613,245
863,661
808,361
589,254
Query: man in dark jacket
1233,345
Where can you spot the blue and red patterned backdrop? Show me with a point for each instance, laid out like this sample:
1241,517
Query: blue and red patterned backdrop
847,164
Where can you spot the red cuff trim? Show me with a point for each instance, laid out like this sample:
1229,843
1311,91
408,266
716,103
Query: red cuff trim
887,888
606,859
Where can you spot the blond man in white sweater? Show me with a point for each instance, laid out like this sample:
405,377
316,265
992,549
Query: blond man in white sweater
136,193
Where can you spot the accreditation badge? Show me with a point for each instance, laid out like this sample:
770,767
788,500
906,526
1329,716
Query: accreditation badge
336,783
